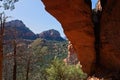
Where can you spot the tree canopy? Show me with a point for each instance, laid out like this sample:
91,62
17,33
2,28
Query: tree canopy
8,4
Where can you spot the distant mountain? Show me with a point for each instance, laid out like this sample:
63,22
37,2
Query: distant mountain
17,29
51,35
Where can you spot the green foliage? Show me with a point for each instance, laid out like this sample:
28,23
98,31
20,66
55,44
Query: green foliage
74,72
8,4
56,70
59,71
44,52
47,48
42,65
36,42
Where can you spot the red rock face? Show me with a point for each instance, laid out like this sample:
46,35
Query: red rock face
71,58
110,35
75,18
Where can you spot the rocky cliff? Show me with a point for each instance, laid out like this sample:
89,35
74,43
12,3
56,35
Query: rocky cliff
17,29
76,20
51,35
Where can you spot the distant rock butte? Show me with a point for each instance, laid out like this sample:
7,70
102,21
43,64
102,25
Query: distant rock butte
18,29
51,35
15,23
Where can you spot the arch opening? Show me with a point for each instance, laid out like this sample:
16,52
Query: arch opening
32,55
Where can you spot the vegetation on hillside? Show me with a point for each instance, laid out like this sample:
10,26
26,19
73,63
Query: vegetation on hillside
40,60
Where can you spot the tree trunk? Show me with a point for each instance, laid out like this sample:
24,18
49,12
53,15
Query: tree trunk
15,65
28,68
2,25
1,58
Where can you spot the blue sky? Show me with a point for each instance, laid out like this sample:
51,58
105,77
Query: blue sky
33,14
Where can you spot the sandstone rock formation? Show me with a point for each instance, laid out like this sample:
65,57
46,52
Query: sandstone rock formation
75,18
51,35
98,6
16,28
72,58
110,35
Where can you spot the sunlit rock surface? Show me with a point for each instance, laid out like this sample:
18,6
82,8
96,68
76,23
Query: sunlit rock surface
75,18
98,6
71,58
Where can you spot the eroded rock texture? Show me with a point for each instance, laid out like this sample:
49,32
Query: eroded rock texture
110,34
98,6
71,58
75,18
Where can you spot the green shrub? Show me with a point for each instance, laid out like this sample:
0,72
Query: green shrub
59,71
